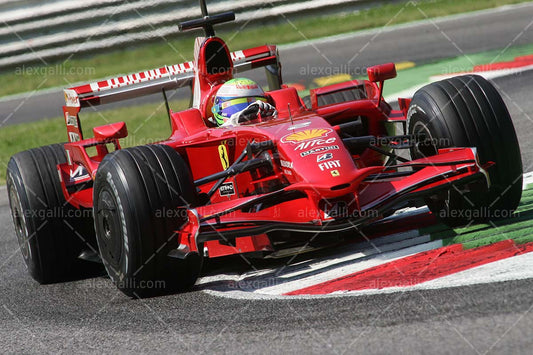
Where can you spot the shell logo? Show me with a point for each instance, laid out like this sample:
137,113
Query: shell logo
71,98
306,135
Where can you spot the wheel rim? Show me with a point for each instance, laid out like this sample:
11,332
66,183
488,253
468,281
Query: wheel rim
428,148
109,229
19,220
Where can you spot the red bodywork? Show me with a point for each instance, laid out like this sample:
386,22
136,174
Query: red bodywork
310,175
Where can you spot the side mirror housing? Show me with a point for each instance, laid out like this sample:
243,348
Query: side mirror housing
382,72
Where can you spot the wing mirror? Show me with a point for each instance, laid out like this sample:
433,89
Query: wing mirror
380,73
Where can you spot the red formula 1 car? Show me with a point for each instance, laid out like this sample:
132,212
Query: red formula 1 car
327,164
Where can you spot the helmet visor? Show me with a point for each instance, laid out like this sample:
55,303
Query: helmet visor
229,106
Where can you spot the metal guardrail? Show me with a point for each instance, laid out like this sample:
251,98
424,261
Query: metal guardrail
29,11
34,34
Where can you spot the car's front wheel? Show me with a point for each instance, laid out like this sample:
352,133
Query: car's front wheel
136,193
467,111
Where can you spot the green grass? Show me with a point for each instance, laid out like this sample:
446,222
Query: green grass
146,124
179,49
518,228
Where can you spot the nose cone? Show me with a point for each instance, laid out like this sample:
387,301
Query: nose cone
316,155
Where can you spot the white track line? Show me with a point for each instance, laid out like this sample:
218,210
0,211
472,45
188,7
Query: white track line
403,26
516,268
262,284
364,262
528,181
489,75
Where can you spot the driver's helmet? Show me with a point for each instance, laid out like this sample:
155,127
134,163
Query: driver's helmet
234,96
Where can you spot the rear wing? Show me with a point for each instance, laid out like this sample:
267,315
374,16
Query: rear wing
154,81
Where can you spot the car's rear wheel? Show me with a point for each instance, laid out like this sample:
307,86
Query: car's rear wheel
467,111
51,233
136,193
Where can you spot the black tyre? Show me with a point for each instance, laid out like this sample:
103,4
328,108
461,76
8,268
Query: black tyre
467,111
135,193
51,233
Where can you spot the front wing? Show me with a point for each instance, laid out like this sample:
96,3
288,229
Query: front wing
300,208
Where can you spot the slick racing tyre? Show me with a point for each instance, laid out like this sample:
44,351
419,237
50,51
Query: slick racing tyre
467,111
51,233
135,192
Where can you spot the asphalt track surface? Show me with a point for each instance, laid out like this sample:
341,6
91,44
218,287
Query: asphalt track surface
92,316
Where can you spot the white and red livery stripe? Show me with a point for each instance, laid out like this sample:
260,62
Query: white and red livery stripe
238,57
136,78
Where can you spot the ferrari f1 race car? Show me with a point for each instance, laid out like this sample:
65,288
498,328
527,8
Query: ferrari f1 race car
325,166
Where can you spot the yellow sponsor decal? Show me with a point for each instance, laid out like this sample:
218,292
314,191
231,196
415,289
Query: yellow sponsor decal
306,135
223,154
404,65
335,173
332,79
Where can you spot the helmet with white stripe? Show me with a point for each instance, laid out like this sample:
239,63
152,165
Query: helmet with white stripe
234,96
